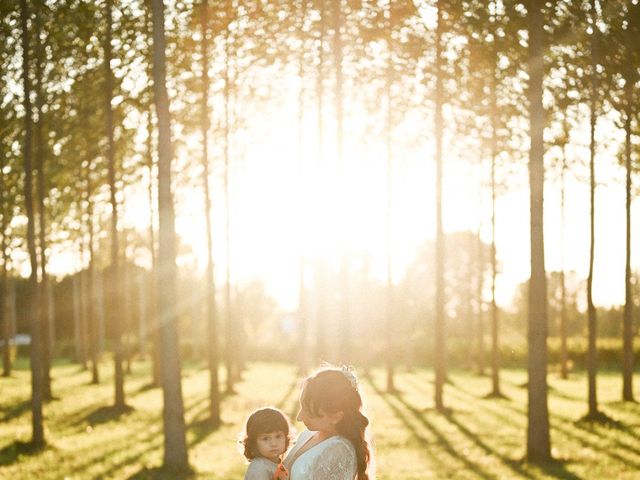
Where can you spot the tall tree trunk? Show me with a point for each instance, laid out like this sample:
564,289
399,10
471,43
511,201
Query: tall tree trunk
5,323
538,441
98,282
153,314
77,314
439,334
389,326
564,356
592,323
84,305
175,446
231,334
142,314
39,165
94,346
210,304
495,346
321,314
37,387
114,307
627,331
480,314
302,294
344,345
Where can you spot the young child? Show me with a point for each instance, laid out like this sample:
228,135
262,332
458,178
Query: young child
266,438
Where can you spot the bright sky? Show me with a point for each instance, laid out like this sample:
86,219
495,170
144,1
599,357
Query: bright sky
272,212
269,230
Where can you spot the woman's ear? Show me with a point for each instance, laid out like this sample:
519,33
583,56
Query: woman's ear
334,418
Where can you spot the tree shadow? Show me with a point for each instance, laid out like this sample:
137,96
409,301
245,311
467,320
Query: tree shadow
135,448
161,473
16,411
108,414
496,396
598,418
451,418
441,440
203,427
12,452
568,427
145,387
556,469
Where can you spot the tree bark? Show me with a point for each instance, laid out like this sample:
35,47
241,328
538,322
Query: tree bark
344,342
231,352
439,336
39,165
564,356
538,441
389,327
627,331
495,347
592,360
321,278
210,304
114,307
37,387
480,313
94,346
302,188
5,324
175,446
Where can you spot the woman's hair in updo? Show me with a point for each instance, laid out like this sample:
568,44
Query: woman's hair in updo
334,390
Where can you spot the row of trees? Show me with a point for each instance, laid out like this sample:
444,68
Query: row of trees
80,131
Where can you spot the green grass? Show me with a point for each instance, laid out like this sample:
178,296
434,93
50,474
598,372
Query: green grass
478,438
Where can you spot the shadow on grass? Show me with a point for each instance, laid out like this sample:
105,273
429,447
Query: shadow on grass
145,387
598,418
576,430
160,473
108,414
440,440
136,447
12,452
16,411
556,469
202,428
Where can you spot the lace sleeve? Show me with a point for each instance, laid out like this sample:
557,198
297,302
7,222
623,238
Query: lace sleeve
337,462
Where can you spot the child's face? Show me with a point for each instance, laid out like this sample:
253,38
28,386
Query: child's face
271,445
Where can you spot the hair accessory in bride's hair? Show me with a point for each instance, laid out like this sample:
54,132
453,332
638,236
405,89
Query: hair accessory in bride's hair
349,372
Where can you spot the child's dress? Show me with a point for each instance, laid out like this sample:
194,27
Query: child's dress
261,468
331,459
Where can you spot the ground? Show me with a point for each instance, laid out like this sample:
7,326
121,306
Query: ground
477,438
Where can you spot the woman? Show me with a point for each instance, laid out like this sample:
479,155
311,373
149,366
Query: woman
334,446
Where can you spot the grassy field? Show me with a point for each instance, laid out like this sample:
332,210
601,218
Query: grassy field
479,438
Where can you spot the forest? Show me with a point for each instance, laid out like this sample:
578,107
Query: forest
201,201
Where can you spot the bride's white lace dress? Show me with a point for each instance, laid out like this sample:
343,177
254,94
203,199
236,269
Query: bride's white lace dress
331,459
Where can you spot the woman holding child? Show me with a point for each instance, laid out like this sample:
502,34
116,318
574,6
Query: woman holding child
334,446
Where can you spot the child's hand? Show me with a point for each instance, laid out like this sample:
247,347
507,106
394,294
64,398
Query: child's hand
281,473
